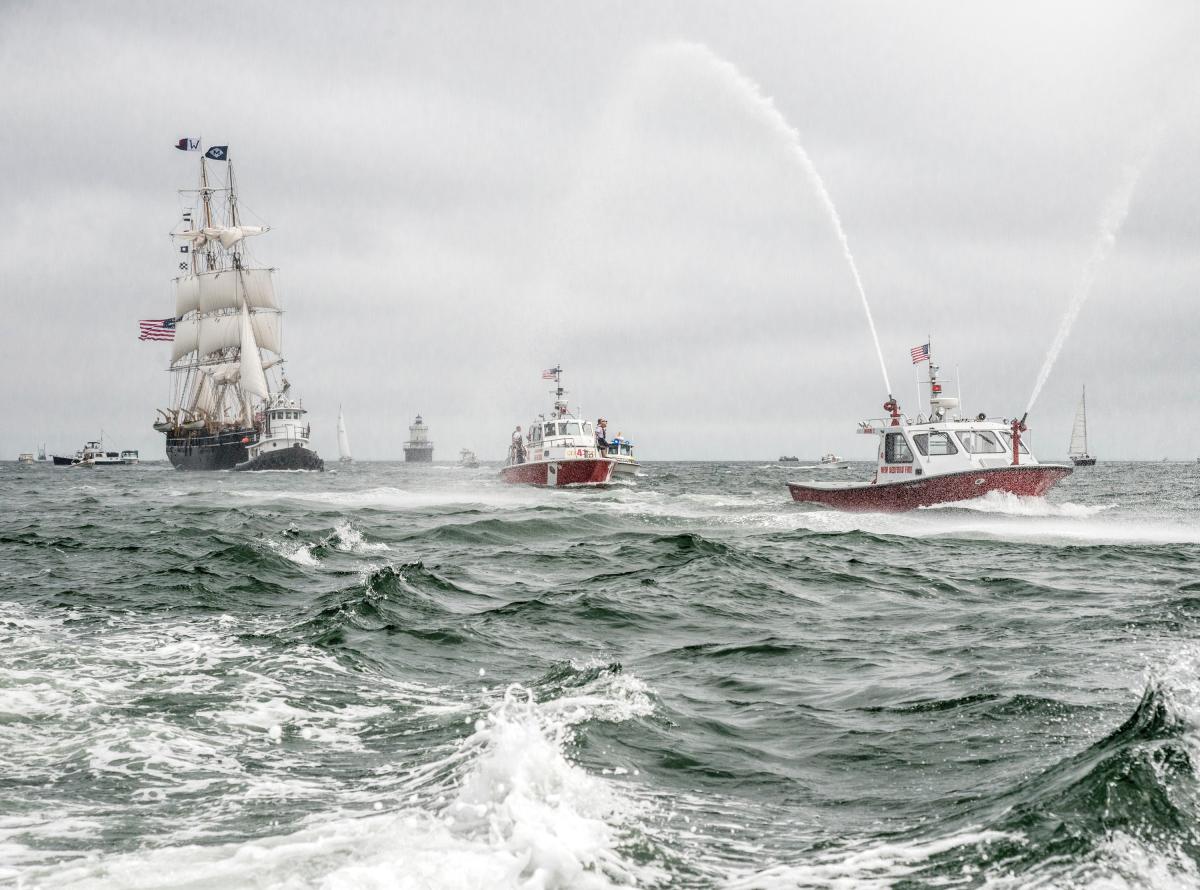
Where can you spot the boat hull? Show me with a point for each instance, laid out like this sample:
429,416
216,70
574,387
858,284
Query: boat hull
63,461
568,472
625,468
1084,461
295,458
220,452
1032,480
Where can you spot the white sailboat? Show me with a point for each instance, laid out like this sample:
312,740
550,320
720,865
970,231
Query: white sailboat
1079,445
343,439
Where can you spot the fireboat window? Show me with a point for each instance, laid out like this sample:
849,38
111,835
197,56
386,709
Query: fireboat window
549,429
1007,437
935,444
980,442
896,450
587,427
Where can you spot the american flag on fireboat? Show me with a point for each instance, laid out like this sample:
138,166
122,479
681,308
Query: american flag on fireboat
157,329
920,354
548,374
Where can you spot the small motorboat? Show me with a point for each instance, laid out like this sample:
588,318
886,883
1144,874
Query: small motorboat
25,457
618,449
938,460
467,458
130,456
94,455
620,452
832,462
557,450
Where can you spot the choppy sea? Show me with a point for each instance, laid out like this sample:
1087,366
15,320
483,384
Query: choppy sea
389,676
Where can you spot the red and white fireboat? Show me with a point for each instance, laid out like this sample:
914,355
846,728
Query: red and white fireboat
937,460
557,450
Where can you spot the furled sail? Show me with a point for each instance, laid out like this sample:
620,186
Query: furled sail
219,332
231,235
1079,430
254,381
343,439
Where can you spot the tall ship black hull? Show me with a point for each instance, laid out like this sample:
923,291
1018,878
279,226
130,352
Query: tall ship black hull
210,452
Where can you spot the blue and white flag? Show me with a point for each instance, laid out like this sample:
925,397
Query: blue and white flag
218,153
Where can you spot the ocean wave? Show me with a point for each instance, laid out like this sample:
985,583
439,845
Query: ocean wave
506,807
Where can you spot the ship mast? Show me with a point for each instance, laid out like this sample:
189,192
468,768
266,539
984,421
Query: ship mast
560,403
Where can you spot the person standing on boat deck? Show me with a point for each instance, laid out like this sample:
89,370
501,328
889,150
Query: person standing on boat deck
601,433
517,449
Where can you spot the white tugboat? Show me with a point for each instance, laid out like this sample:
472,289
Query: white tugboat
418,449
1079,444
230,406
832,462
282,441
557,450
937,460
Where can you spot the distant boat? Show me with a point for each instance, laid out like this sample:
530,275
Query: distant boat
832,462
467,458
42,453
25,457
343,439
789,460
1079,444
130,456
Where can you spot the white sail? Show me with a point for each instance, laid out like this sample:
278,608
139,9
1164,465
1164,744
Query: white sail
1079,430
187,338
219,332
210,291
343,439
254,381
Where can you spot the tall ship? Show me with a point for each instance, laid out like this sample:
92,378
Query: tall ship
418,449
1079,444
231,407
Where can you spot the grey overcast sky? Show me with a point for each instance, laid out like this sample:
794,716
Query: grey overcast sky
463,194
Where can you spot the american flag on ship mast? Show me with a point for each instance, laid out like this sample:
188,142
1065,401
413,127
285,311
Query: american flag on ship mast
920,354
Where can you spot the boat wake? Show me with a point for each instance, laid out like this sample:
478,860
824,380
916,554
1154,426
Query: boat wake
1009,504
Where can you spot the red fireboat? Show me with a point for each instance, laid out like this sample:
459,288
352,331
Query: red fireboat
557,450
937,460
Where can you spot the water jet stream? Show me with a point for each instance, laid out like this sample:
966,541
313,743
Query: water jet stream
765,107
1111,218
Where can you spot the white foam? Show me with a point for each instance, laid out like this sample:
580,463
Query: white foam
866,866
505,808
349,539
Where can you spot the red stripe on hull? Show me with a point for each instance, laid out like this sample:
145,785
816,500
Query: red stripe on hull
570,472
892,497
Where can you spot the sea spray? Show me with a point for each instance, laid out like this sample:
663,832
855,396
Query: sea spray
764,106
1113,215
